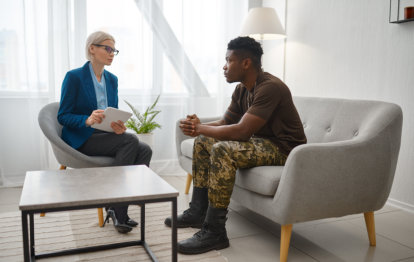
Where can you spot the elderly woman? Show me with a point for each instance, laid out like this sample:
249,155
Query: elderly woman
86,92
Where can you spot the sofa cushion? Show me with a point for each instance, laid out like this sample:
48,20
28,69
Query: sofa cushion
263,180
187,147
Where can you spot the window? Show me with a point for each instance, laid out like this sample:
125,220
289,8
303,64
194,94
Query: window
123,20
23,46
202,27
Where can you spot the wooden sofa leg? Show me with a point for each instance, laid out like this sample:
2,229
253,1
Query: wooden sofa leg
370,223
285,242
100,217
62,167
188,184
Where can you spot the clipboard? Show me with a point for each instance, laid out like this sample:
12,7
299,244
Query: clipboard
112,115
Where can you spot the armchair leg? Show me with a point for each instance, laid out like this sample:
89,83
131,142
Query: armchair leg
100,217
285,242
370,223
188,184
62,167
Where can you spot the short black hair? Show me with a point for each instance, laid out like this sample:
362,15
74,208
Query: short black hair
247,47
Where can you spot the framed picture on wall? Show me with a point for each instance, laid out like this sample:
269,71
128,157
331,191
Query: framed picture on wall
401,11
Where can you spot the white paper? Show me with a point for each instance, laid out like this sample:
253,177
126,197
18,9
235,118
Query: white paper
112,115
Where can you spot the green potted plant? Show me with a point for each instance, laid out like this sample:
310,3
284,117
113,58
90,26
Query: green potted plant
144,124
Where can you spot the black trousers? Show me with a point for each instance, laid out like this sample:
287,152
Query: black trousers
126,149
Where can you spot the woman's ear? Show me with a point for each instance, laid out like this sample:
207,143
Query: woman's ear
92,50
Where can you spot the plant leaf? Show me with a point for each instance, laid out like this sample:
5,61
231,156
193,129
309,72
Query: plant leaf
143,123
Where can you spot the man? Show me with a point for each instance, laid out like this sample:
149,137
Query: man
260,127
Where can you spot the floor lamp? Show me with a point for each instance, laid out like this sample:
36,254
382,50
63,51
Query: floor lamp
262,23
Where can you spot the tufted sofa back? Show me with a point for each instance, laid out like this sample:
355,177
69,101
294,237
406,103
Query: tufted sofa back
329,120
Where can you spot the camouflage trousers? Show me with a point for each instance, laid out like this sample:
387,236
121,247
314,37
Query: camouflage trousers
215,164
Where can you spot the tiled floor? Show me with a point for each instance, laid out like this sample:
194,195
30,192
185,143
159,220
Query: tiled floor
254,238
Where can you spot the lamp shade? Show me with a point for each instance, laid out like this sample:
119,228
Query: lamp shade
262,23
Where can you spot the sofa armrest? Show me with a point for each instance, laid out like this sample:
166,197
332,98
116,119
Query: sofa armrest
179,136
335,179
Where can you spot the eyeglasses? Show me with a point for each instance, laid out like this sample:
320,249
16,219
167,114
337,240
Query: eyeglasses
108,49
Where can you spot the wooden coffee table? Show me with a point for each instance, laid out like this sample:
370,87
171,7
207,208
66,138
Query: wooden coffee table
84,188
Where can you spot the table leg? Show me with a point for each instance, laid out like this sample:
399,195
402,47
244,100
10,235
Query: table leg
32,240
143,222
174,230
26,251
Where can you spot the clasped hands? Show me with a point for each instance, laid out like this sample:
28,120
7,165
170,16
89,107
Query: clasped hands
98,115
190,125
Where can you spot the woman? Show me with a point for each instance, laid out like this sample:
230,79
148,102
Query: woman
86,92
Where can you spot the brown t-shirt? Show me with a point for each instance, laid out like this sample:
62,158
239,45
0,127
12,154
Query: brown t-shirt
270,100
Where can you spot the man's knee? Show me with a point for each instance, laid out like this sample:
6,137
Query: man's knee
200,140
221,149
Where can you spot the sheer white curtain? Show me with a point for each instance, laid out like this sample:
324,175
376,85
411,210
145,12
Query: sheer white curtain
157,47
23,87
41,40
36,50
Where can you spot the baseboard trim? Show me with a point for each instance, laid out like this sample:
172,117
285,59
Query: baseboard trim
168,167
401,205
13,180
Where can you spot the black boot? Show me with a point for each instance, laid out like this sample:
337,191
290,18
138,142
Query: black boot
194,216
212,236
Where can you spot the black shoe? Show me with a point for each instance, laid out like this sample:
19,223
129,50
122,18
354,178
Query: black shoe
195,215
212,236
121,228
132,223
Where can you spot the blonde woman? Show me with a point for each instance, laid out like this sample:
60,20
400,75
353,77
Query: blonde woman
86,92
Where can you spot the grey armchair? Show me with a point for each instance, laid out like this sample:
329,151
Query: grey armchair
65,154
184,147
346,168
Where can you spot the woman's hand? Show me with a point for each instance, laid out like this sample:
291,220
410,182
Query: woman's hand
96,117
118,127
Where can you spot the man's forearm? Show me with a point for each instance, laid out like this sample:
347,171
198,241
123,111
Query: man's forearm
241,131
223,132
219,122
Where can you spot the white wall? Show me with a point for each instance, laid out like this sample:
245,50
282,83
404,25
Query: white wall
273,57
347,49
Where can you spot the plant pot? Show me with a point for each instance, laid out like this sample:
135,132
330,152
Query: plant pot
147,138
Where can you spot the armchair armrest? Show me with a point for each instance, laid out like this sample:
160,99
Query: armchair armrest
179,136
336,179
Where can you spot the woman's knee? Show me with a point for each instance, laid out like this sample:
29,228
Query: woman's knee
143,147
131,139
144,154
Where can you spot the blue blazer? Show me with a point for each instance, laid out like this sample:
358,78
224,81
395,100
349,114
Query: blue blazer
78,100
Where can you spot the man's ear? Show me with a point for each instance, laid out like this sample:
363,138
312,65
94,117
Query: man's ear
246,63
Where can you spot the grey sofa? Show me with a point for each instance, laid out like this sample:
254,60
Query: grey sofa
347,166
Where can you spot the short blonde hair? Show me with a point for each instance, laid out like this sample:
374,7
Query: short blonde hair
96,38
